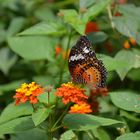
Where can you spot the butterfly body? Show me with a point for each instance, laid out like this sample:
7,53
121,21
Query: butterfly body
84,66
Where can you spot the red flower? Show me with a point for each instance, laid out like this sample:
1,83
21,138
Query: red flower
122,1
94,105
58,50
99,92
93,99
117,14
91,27
108,46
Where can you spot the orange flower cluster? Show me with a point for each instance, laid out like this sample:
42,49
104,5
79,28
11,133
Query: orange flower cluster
127,44
28,92
72,93
80,108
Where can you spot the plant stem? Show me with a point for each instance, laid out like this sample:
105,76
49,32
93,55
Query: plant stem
55,128
110,16
49,132
64,63
51,128
48,97
61,116
34,109
91,136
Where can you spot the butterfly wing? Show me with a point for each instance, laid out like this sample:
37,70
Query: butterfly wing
84,66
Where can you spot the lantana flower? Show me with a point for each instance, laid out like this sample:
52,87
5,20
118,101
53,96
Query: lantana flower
80,108
71,93
28,92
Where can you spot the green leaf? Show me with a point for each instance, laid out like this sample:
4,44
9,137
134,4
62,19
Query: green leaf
129,116
11,4
136,53
2,137
42,79
134,74
7,60
11,86
33,47
33,134
40,115
44,13
45,28
126,26
130,10
68,135
15,26
79,26
13,111
17,125
86,3
97,37
136,61
96,9
71,17
128,58
111,63
86,122
43,98
2,35
130,136
101,134
127,100
137,38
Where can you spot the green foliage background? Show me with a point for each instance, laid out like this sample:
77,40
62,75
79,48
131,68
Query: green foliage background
30,30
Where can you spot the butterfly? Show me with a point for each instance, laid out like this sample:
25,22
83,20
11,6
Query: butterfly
84,66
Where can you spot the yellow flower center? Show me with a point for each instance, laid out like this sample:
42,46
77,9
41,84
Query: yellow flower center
71,85
27,89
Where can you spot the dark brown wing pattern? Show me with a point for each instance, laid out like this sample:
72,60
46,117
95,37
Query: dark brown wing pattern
84,66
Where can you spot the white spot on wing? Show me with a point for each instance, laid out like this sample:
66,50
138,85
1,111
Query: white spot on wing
76,57
86,50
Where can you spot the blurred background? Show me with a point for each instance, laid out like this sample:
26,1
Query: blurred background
40,53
